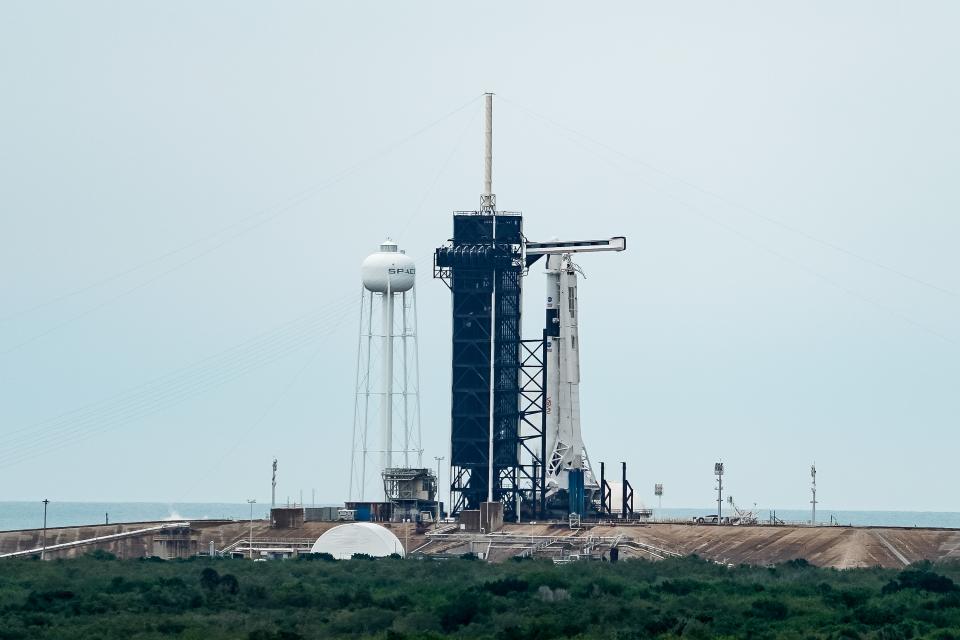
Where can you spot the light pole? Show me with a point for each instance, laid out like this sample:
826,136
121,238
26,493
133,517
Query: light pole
43,547
252,502
718,471
813,489
438,459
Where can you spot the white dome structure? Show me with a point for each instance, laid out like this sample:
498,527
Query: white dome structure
358,537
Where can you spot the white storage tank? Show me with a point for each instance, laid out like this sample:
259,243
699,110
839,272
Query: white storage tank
388,268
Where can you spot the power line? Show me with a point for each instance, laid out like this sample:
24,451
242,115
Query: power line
436,179
258,339
733,204
141,407
266,215
170,390
242,437
819,275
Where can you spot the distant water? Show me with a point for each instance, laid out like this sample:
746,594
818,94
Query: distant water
29,515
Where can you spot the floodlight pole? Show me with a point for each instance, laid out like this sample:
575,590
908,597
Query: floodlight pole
273,486
252,502
813,490
718,470
43,548
437,492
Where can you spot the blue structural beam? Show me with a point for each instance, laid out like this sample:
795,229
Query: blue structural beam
575,491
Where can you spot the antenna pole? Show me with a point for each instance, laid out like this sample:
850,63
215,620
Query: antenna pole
43,548
718,470
813,490
488,201
273,486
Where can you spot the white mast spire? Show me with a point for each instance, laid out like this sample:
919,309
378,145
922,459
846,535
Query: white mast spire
488,201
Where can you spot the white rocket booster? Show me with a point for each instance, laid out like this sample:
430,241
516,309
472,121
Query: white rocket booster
565,447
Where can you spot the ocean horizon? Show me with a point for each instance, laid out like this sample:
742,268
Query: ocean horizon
29,515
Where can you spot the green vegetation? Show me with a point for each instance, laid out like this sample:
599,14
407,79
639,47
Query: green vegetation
390,598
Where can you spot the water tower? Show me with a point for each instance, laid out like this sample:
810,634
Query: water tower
387,383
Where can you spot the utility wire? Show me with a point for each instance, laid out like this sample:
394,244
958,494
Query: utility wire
242,437
161,394
819,275
735,205
259,339
99,424
170,390
436,180
267,215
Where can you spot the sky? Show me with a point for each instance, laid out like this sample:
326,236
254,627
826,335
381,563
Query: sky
187,191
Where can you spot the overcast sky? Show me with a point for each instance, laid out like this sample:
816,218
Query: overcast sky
178,178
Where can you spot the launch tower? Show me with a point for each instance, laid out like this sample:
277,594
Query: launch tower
512,398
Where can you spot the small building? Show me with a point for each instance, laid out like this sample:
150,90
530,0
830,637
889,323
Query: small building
286,517
487,519
321,514
175,542
370,511
411,491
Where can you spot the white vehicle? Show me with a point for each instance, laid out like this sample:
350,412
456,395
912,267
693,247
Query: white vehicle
712,519
346,515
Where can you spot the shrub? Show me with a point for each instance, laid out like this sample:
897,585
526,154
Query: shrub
209,579
797,563
507,585
769,609
921,580
458,613
229,584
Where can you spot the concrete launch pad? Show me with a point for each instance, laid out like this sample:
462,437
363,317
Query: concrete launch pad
838,547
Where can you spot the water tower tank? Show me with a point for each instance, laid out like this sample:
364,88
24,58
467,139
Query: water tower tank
388,267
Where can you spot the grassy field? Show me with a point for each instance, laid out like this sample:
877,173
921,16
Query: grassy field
101,597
